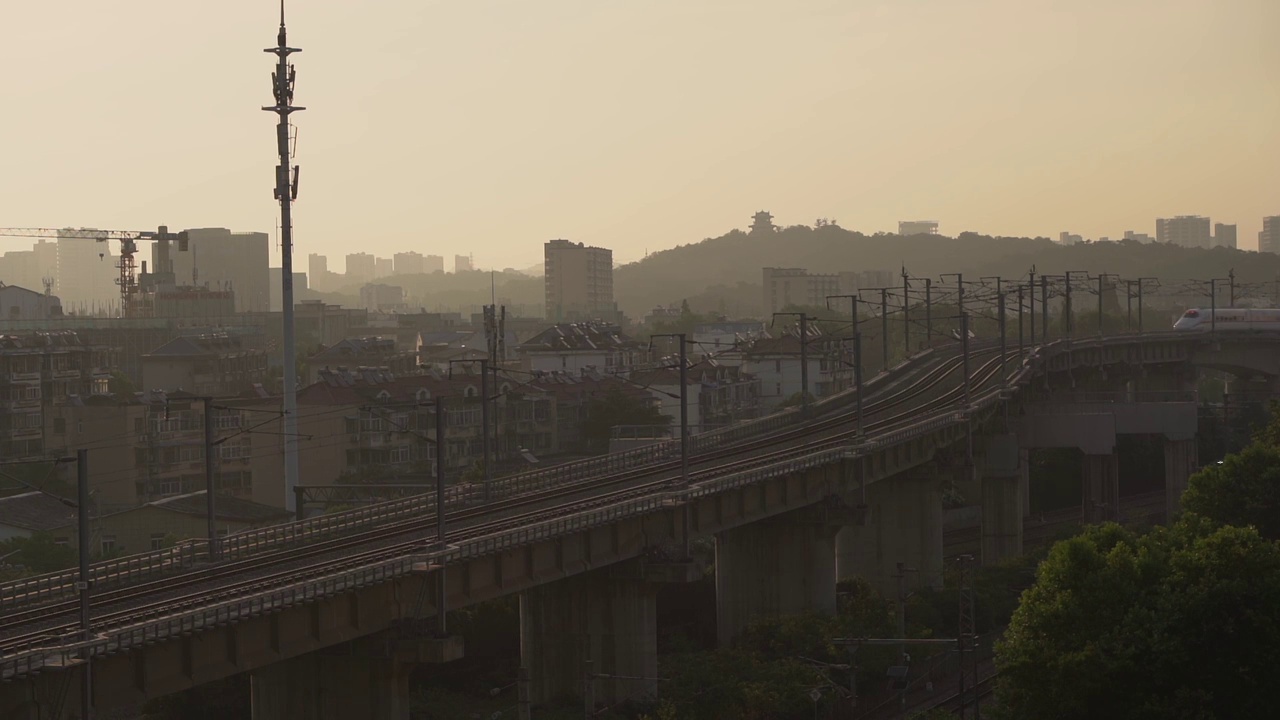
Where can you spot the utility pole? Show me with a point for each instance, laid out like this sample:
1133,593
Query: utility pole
684,402
441,601
1071,318
857,350
1000,311
1044,309
1031,285
928,311
1102,279
1128,297
82,526
1021,310
959,290
1231,277
964,339
1140,281
884,327
906,312
282,81
486,467
210,489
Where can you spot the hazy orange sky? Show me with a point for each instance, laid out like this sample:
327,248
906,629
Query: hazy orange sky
489,127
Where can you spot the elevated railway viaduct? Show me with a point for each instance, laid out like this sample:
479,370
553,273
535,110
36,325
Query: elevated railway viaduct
327,613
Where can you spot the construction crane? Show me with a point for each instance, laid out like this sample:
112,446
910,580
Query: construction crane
128,239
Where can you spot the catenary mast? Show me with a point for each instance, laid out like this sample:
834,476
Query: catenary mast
286,191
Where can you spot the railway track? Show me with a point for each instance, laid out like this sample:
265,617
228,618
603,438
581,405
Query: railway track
119,607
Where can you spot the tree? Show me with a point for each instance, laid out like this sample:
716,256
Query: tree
37,554
613,408
120,384
1244,489
1183,622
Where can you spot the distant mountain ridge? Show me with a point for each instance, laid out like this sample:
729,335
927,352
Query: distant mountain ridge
724,273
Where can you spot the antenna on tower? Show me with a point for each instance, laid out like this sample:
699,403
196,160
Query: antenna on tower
286,191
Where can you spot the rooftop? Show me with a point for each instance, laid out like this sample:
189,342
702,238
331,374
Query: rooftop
226,508
35,511
580,336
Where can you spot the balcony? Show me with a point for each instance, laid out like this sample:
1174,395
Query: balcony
24,377
28,433
65,374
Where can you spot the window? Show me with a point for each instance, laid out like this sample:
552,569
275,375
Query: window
170,487
108,544
400,454
422,395
157,541
777,366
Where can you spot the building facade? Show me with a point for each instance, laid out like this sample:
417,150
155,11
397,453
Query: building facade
1224,235
41,371
409,263
361,268
216,365
86,274
575,347
220,259
462,263
1190,231
911,228
18,303
1269,238
579,282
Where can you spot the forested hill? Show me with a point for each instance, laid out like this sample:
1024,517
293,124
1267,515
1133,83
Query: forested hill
724,274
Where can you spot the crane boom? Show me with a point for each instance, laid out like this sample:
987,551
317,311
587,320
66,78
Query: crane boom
128,240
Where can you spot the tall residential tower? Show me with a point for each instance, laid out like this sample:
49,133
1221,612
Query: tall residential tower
579,282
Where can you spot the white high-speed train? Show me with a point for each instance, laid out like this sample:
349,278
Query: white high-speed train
1229,319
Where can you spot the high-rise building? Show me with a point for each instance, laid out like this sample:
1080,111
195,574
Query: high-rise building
408,263
1185,231
361,268
277,295
383,267
462,263
1066,238
910,228
223,260
86,274
1140,237
1269,238
1224,235
579,282
433,264
317,264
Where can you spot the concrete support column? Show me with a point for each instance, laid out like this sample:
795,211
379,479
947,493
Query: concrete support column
1101,496
770,569
903,525
320,686
1180,460
597,616
1024,480
1002,508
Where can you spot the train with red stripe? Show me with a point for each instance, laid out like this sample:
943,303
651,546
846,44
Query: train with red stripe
1229,319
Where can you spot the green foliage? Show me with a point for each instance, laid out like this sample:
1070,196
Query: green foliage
1243,490
37,554
120,384
613,408
1183,622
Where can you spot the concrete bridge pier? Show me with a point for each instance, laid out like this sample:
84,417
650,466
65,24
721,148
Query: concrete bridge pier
606,616
903,525
781,566
1101,497
1005,475
1180,461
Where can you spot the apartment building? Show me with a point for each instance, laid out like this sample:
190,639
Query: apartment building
575,347
911,228
718,395
579,282
1190,231
776,363
216,365
223,260
38,372
1269,238
377,352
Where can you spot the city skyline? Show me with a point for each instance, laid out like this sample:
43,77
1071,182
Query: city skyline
637,151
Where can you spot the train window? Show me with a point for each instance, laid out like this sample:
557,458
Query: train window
1192,313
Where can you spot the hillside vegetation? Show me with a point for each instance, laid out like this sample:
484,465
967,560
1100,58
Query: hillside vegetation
724,274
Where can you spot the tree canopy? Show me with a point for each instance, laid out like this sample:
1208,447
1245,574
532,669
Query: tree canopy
614,408
1183,622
